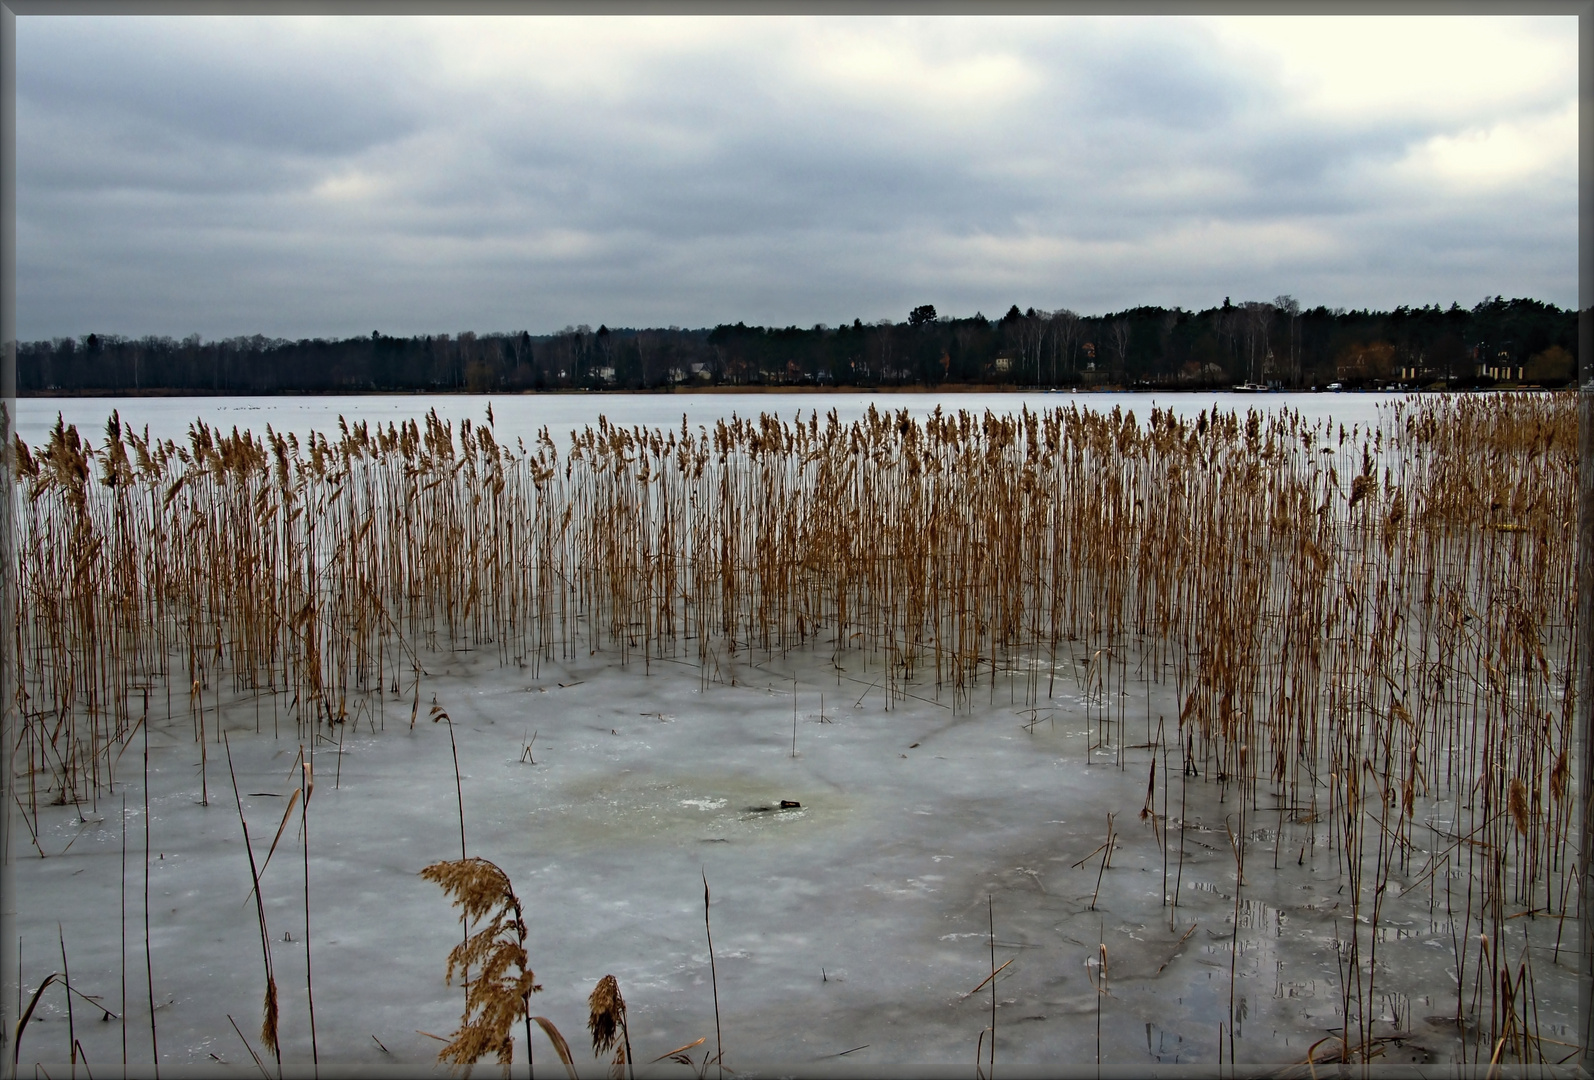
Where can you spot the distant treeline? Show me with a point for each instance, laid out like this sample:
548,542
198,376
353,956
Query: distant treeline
1276,343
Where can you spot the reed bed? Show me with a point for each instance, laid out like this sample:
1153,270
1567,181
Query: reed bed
1369,633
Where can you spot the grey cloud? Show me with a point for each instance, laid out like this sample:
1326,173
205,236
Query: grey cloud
84,155
165,189
144,86
1151,79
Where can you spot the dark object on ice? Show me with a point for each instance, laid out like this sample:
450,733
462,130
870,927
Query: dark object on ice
790,804
785,804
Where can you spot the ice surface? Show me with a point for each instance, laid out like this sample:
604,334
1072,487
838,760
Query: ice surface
861,919
522,415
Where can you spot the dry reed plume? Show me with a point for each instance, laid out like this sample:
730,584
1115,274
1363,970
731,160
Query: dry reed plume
501,992
1382,619
606,1022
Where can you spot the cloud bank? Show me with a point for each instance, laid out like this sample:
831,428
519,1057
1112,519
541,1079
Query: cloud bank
331,176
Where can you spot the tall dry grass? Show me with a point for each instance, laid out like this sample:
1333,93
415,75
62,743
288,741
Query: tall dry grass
1356,624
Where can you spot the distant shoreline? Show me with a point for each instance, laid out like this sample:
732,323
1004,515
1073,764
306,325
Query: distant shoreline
947,388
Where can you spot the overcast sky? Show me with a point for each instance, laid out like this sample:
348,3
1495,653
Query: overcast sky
334,176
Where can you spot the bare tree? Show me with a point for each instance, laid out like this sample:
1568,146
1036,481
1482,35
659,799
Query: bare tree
646,340
1065,332
1290,308
1032,333
519,346
1118,333
1256,317
883,336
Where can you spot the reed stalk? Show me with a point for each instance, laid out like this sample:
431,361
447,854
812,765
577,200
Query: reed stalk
1381,617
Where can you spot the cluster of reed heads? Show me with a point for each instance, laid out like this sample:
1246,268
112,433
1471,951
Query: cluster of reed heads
1370,628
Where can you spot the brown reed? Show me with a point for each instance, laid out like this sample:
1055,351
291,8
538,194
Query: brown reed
501,992
607,1024
1382,617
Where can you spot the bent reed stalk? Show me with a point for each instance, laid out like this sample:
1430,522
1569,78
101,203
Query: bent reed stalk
1363,624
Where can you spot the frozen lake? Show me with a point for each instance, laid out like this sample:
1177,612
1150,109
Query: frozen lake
876,842
856,924
522,415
